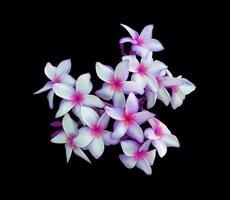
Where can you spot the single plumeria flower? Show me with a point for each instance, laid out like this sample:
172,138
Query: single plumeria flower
59,74
160,136
115,82
128,119
74,98
143,43
67,137
136,155
94,136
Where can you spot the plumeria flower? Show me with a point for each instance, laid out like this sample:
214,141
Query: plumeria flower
67,136
74,98
94,136
160,136
143,43
115,82
128,119
136,155
59,74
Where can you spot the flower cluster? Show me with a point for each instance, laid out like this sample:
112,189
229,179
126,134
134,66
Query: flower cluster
128,92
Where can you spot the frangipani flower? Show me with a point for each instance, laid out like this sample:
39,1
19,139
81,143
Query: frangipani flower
136,155
74,98
94,135
160,136
67,137
115,82
128,119
59,74
143,43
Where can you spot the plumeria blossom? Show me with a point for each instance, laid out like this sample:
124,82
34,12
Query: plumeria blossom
143,43
59,74
116,83
136,155
67,137
160,136
74,98
128,119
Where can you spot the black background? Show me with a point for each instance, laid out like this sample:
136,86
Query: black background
87,34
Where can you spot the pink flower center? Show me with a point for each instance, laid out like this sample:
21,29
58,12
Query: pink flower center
174,88
142,70
139,41
77,98
97,130
116,84
139,155
70,141
158,131
128,118
57,79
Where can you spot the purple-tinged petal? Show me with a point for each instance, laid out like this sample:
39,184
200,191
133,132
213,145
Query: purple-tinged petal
135,132
157,67
163,95
55,133
68,152
50,98
187,87
128,162
131,105
67,79
64,91
133,62
119,130
150,157
64,107
104,120
93,101
171,140
83,84
115,113
89,116
105,92
177,99
132,32
122,70
108,140
84,137
96,147
119,99
126,39
147,31
104,72
154,45
140,51
161,147
145,146
50,71
152,83
46,87
143,164
129,147
148,60
150,134
81,154
170,82
164,128
59,139
151,99
64,67
132,86
77,111
56,124
69,125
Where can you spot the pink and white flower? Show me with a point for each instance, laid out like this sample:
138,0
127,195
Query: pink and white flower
128,119
59,74
67,137
74,98
136,155
143,43
160,136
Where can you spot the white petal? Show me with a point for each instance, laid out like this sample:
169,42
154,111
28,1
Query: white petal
161,147
96,147
144,166
83,84
150,157
84,137
108,140
89,116
140,51
146,33
149,133
119,130
50,71
128,162
60,138
64,67
148,61
132,86
177,99
119,99
129,147
46,87
142,80
154,45
135,132
170,81
187,87
104,72
163,95
145,146
115,113
126,39
64,107
152,83
68,152
50,98
67,79
131,105
171,140
157,67
164,128
132,32
151,99
105,92
104,120
93,101
122,70
77,111
64,91
81,154
68,124
133,62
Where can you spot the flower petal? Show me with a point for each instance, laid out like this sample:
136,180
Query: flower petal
128,162
81,154
163,95
142,116
96,147
140,51
161,147
89,116
135,132
83,84
187,87
119,99
132,32
50,98
150,134
69,125
154,45
132,86
171,140
104,120
126,39
64,107
122,70
150,157
84,137
157,67
133,62
68,152
170,81
119,130
50,71
141,80
93,101
144,166
60,138
152,83
105,92
177,99
147,31
64,67
114,112
108,140
67,79
145,146
151,99
131,105
129,147
64,91
46,87
104,72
